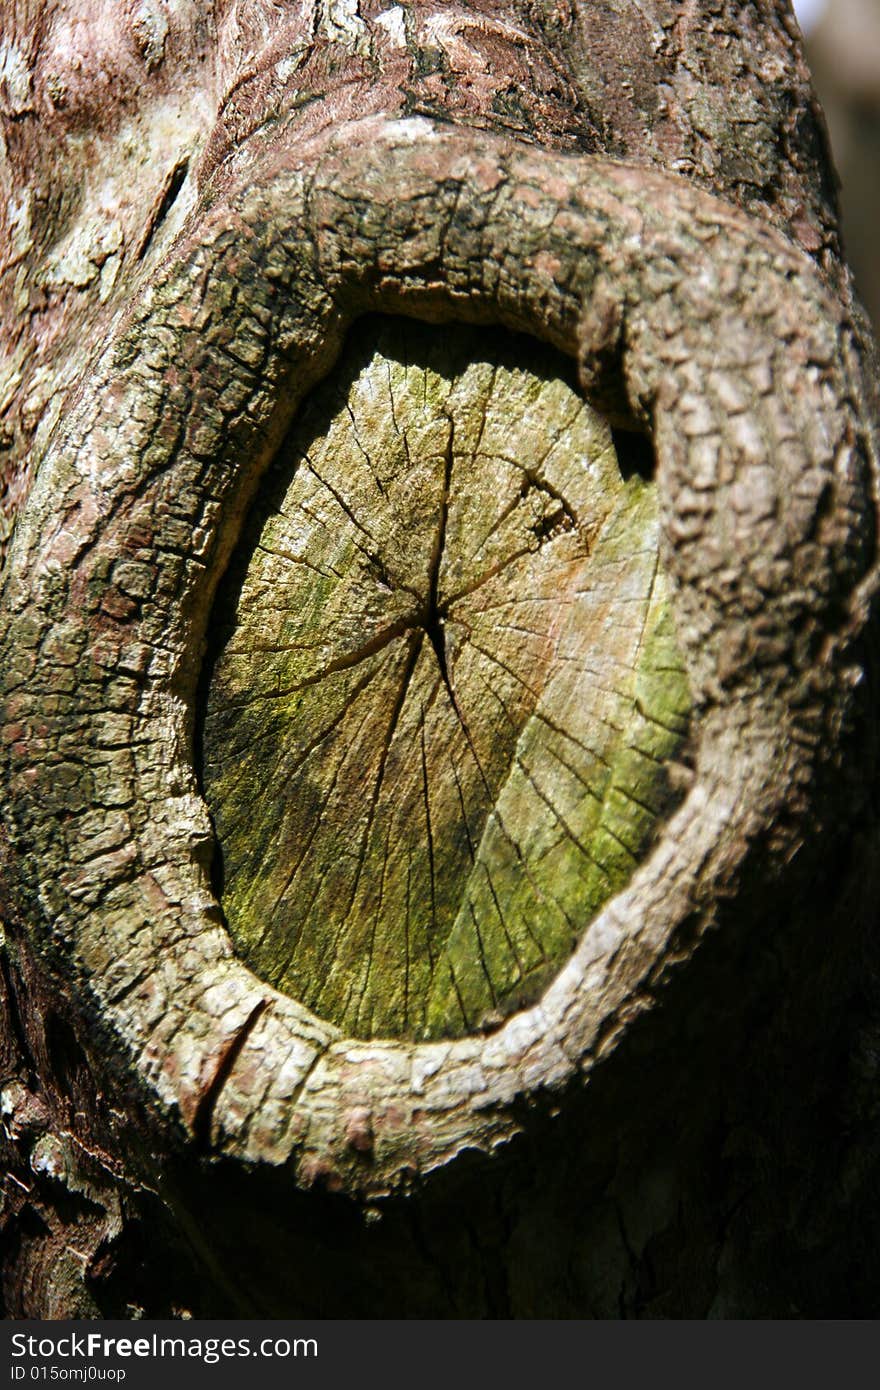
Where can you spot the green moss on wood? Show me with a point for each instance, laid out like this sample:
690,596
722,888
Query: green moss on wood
446,686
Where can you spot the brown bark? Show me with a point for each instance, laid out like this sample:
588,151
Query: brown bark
646,189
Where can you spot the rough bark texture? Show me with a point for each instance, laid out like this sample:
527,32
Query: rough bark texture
643,188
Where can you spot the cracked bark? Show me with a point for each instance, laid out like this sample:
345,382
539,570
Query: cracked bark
568,175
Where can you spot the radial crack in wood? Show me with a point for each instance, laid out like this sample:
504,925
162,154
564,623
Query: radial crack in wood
445,686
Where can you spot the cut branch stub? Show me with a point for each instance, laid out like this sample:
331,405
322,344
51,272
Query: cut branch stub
721,338
438,726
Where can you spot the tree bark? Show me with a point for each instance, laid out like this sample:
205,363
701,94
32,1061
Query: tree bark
218,1055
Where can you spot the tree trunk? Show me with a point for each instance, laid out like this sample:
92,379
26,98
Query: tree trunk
437,660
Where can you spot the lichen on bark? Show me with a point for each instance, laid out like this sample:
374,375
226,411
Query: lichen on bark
446,689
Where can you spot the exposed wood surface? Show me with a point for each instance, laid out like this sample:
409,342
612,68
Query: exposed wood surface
438,725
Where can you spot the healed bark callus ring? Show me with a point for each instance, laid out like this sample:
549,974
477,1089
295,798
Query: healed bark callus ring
710,330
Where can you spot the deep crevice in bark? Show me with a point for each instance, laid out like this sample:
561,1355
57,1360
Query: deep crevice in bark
635,453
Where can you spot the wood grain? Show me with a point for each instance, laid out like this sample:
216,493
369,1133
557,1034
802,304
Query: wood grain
447,686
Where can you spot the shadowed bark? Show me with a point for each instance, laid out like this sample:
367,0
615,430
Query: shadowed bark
367,953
